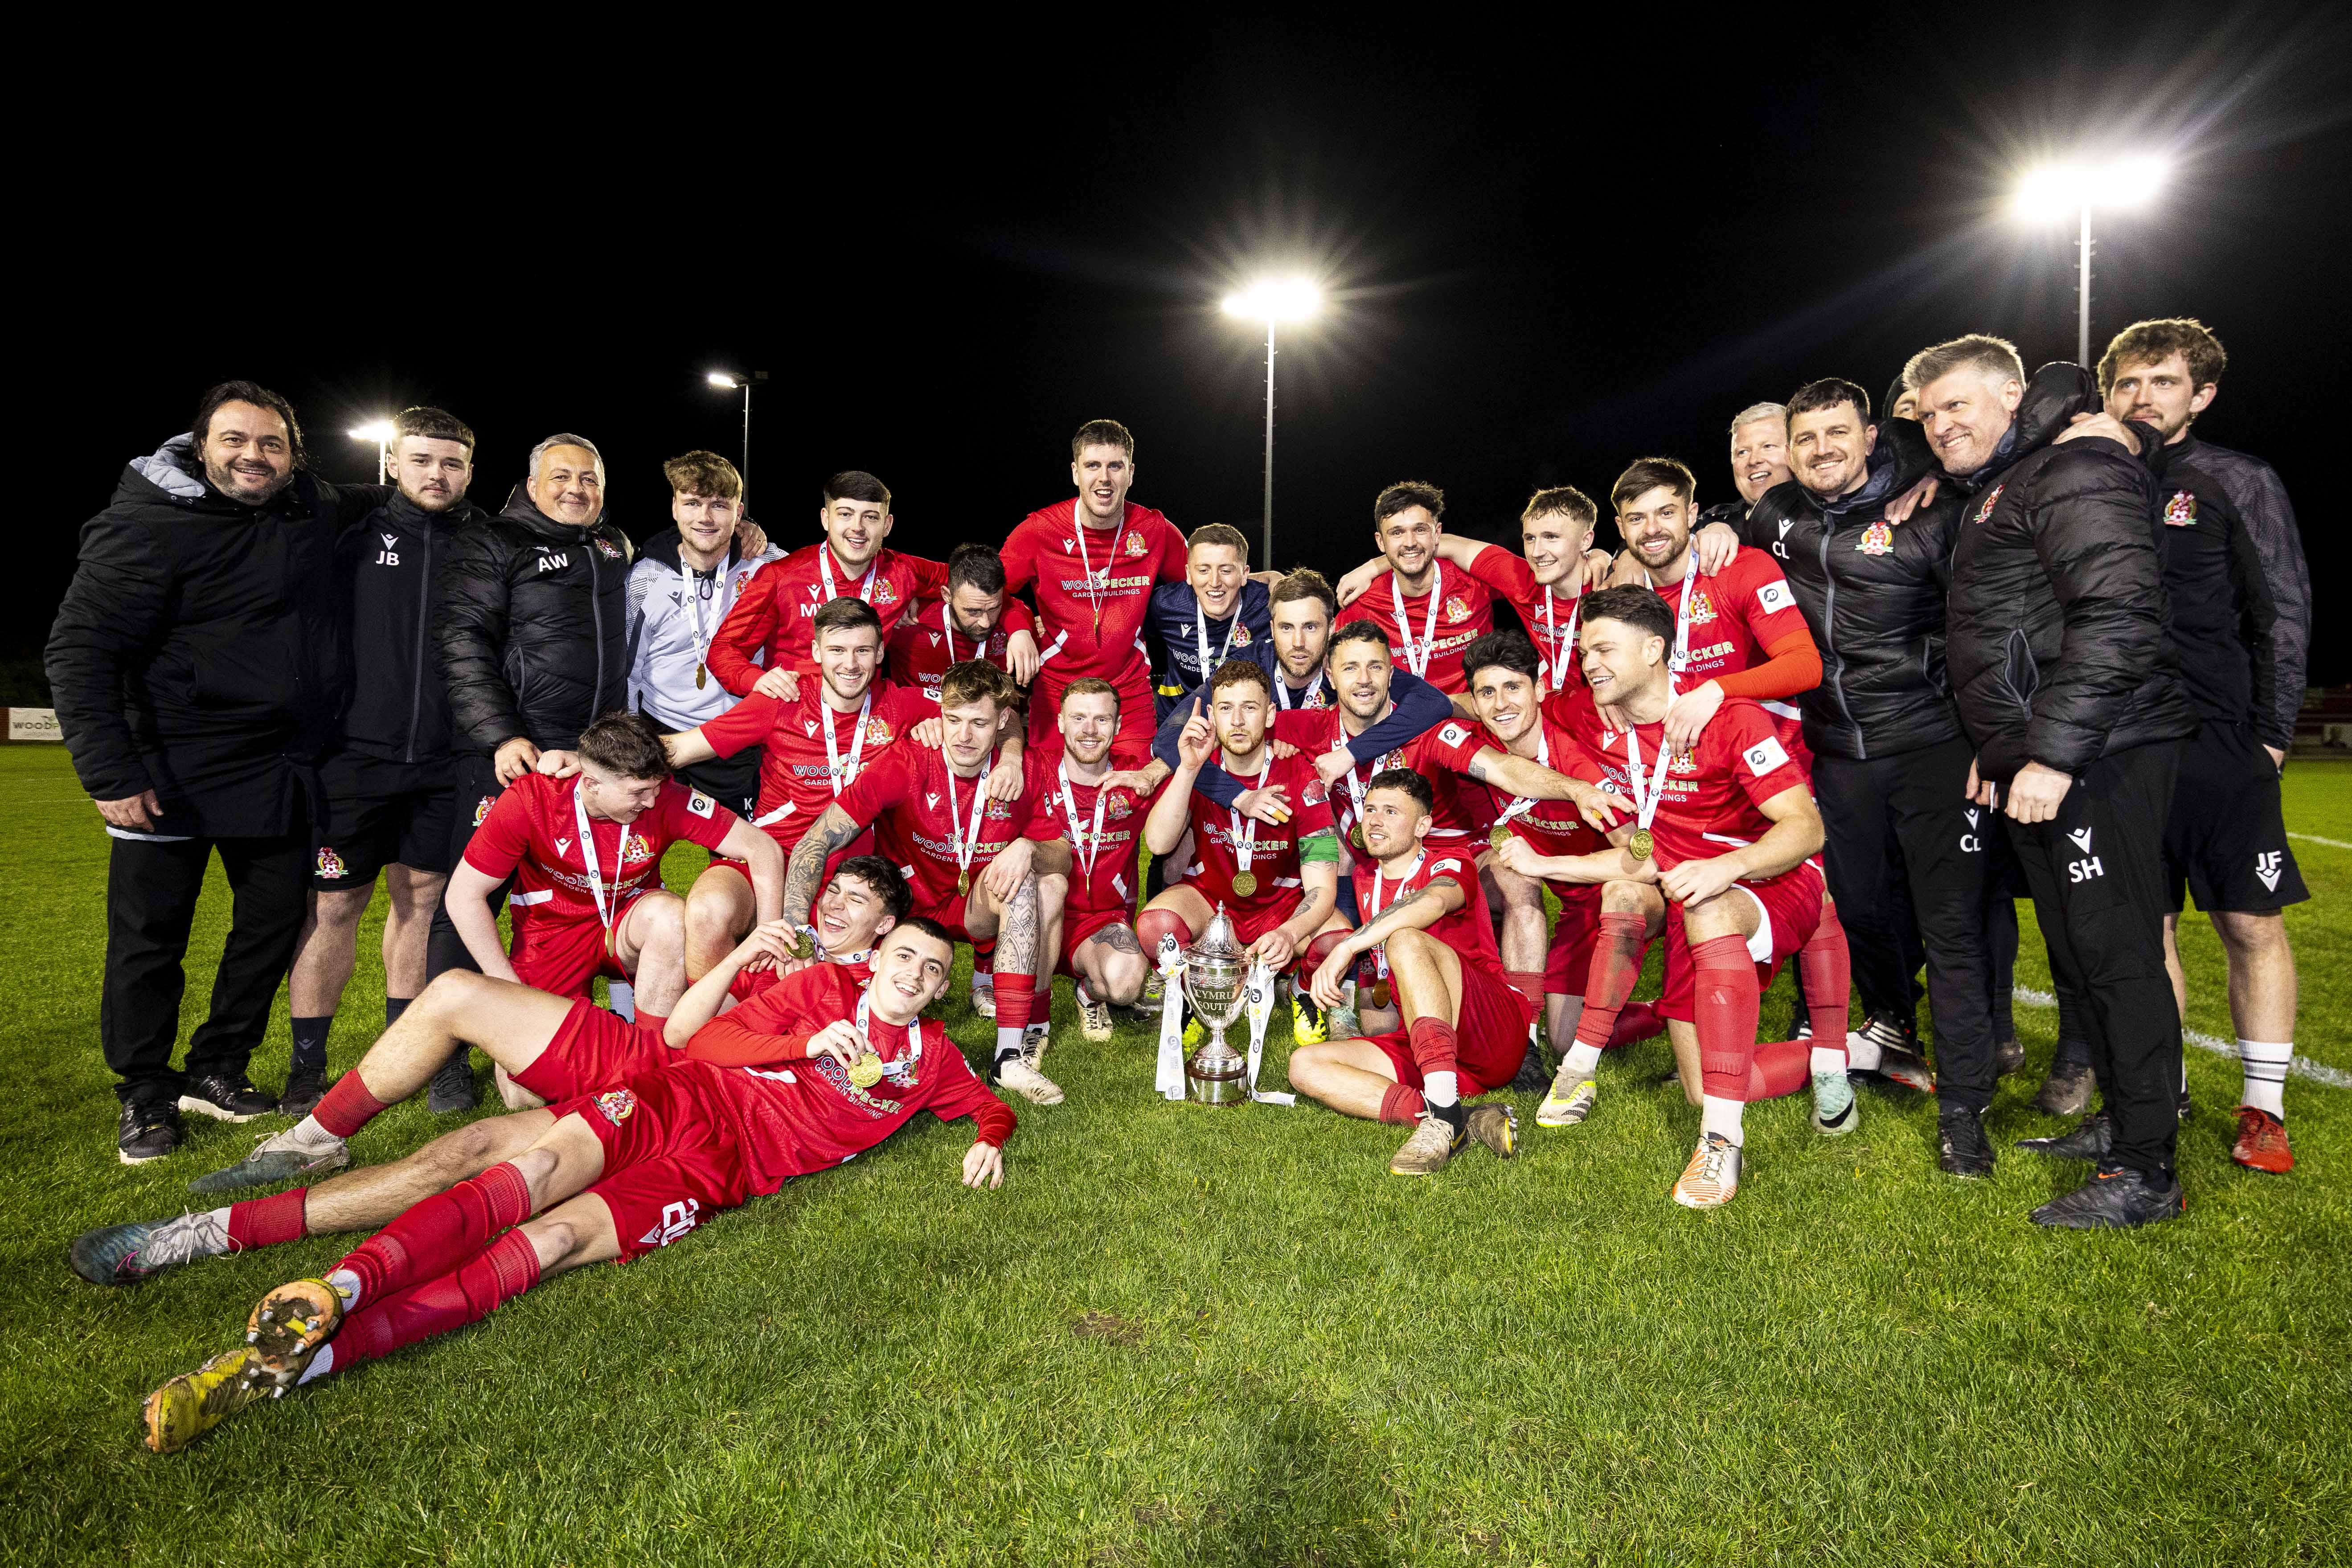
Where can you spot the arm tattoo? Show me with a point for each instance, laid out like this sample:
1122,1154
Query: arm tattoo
832,831
1386,922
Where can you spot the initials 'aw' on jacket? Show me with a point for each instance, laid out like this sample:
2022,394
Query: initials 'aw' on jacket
532,627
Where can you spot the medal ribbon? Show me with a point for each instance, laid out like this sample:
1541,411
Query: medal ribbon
1646,804
1081,838
1097,586
1562,651
865,589
1417,660
1380,953
843,778
967,845
588,859
1246,846
1201,631
1357,778
1681,655
1522,803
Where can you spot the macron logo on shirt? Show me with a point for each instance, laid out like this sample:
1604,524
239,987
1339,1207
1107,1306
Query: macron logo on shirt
1764,756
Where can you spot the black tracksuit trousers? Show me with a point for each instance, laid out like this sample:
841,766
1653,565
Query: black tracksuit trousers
1903,820
2097,874
152,888
477,786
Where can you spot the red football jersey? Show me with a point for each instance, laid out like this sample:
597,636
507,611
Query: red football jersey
1711,792
922,648
1736,616
1273,855
1047,554
1111,884
793,1113
533,833
1468,930
775,609
797,781
906,796
1465,612
1553,826
1457,811
1550,617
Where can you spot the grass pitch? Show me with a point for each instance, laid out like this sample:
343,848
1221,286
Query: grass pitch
1230,1337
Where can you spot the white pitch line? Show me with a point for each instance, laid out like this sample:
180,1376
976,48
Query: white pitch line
2302,1066
2315,839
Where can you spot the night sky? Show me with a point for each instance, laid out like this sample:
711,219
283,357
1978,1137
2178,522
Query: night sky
1550,254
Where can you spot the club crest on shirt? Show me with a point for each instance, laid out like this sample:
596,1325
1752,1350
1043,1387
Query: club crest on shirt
877,731
884,595
607,549
1120,806
742,578
1877,539
2181,510
1985,509
1702,609
1457,609
1241,634
1136,544
482,811
329,863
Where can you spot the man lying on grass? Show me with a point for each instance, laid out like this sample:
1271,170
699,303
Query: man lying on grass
812,1071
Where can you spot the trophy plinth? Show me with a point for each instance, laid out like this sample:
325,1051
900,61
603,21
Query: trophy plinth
1216,982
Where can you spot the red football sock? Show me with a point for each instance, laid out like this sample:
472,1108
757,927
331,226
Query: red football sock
1317,949
1616,964
498,1273
1402,1104
1781,1067
347,1106
983,957
654,1021
430,1238
1639,1021
1433,1045
1826,969
1527,982
1152,925
266,1222
1014,993
1723,984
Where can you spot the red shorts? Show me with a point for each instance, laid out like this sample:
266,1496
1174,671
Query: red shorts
562,956
592,1049
949,915
670,1156
1568,965
1252,921
1080,926
1491,1035
1791,903
1131,748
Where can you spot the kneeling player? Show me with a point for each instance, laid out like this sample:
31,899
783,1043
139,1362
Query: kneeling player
975,861
1465,1029
1278,884
1740,914
808,1074
586,853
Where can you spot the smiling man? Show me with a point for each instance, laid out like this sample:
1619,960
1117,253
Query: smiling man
195,661
680,592
1218,611
1429,613
818,1069
2070,691
1090,915
976,619
2240,600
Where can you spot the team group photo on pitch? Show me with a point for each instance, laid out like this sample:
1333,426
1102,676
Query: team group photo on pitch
1992,633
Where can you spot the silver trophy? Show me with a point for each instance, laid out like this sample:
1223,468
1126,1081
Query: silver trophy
1216,982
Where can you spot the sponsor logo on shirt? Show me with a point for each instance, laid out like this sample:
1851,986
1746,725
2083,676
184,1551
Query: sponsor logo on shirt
1445,866
1774,596
1877,539
1452,734
699,803
1764,756
1985,509
2181,510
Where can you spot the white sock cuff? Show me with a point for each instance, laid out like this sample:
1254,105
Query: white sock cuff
1826,1058
1440,1088
1584,1058
1721,1117
2266,1052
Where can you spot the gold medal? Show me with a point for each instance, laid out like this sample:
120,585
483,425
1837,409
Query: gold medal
1379,993
701,676
1640,844
803,946
1244,884
1355,835
964,884
1499,836
867,1071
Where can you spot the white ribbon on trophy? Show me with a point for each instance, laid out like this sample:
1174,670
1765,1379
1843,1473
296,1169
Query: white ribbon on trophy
1261,1007
1169,1077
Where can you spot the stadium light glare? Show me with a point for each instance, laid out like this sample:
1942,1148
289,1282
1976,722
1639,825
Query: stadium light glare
2073,190
380,432
720,379
726,382
1276,300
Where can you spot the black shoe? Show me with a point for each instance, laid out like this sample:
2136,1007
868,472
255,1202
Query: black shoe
227,1097
2089,1141
2067,1090
148,1129
306,1085
452,1087
2116,1198
1962,1148
2008,1056
1531,1078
